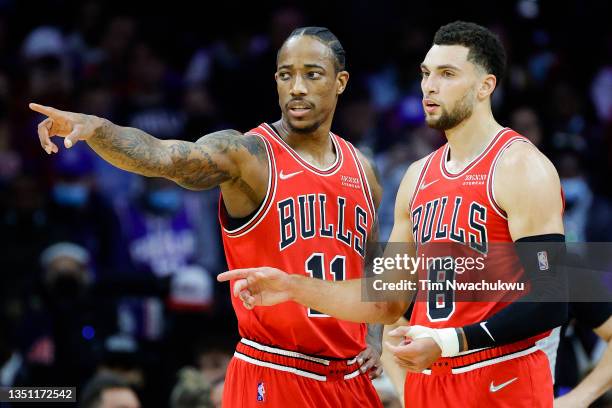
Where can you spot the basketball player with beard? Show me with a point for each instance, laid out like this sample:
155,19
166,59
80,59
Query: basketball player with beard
486,185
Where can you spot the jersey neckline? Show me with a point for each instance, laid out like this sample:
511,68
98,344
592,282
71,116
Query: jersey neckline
471,164
325,171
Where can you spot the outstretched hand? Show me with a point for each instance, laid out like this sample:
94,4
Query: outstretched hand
414,354
69,125
263,286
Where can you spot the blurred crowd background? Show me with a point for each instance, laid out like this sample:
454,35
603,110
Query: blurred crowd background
106,272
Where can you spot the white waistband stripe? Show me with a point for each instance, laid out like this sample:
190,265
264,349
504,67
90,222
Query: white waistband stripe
492,361
352,375
279,367
283,352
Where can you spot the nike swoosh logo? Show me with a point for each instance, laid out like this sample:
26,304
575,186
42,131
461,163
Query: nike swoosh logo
424,186
286,176
495,388
484,326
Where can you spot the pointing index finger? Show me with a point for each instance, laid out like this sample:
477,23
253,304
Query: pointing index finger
234,274
45,110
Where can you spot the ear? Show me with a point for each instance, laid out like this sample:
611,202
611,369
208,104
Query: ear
487,86
276,76
342,78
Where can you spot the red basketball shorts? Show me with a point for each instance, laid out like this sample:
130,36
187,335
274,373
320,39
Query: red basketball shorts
516,375
264,376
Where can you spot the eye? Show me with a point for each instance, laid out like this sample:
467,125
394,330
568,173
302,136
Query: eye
448,74
284,76
314,75
424,74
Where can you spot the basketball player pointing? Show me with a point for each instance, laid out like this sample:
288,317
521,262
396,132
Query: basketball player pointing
294,196
460,354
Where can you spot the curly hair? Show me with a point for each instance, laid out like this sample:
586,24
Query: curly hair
485,48
326,37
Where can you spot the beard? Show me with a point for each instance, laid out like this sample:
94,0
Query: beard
304,130
448,120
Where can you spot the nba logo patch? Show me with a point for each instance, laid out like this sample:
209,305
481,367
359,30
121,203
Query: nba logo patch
543,260
261,392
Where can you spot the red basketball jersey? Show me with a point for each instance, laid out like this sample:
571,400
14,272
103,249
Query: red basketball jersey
313,222
460,208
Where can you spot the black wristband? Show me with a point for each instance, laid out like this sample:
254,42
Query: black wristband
544,308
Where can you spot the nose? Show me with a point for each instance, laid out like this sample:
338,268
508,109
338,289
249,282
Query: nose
429,84
299,86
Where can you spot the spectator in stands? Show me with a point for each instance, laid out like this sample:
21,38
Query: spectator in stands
108,391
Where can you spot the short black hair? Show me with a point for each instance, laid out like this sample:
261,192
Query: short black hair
92,393
328,38
485,47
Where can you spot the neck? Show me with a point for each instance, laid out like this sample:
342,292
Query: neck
316,143
468,139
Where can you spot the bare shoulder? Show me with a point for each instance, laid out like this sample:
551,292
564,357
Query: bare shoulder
231,141
372,175
528,189
525,172
402,224
410,179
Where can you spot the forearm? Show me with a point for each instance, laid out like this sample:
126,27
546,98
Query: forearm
130,149
374,336
597,382
214,159
396,374
341,300
543,308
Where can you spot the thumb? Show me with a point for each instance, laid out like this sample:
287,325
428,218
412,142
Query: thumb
393,348
400,331
73,137
419,332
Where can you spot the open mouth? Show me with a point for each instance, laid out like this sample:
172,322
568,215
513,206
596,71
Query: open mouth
430,106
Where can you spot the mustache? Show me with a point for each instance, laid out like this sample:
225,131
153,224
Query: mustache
301,101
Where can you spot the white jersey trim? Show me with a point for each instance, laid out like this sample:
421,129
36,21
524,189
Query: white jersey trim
453,176
294,354
304,163
364,183
283,352
419,182
270,193
492,361
279,367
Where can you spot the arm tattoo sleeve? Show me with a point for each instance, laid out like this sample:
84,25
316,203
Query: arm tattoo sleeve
212,160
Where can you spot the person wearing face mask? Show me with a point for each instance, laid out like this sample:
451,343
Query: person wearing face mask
162,228
78,213
62,318
161,232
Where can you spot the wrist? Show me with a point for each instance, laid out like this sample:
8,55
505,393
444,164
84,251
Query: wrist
463,346
293,283
446,338
449,342
99,126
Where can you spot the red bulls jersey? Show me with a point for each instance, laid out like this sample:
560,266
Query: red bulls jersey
313,222
460,208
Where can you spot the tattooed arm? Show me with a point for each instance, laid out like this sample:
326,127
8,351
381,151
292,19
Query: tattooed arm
213,160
